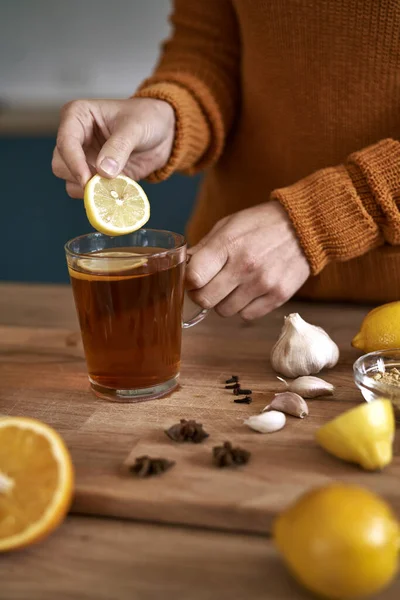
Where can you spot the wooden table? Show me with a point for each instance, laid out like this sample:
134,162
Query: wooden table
100,558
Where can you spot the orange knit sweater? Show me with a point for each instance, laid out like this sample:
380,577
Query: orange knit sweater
299,101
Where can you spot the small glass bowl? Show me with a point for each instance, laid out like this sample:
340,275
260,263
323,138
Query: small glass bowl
378,362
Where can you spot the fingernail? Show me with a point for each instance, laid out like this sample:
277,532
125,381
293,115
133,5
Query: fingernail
109,166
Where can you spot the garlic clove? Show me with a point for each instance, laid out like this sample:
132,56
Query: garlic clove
289,403
266,422
302,349
308,386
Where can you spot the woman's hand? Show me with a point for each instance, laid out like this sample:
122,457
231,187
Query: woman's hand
109,136
250,263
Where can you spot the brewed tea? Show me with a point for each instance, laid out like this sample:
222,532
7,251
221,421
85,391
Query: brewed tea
130,313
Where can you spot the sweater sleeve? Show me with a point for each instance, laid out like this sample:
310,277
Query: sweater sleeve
198,74
342,212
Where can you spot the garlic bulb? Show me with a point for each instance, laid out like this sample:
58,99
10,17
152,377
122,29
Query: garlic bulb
289,403
267,422
303,349
309,386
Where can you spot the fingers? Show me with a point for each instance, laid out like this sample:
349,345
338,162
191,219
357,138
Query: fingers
116,151
204,240
260,307
224,276
71,138
248,264
212,294
210,277
60,169
206,264
271,293
236,301
139,130
230,299
243,287
74,189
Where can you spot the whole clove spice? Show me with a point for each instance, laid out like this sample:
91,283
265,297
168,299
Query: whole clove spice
233,379
234,386
240,392
227,456
145,466
187,431
246,400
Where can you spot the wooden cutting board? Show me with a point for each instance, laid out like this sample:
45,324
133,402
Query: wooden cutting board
42,374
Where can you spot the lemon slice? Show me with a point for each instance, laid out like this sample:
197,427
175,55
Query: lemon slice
36,481
116,206
362,435
119,261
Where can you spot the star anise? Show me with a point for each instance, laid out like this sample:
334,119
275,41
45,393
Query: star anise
187,431
145,466
227,456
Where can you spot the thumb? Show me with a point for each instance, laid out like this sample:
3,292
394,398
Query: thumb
116,151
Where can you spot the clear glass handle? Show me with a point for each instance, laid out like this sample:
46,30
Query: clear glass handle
196,319
198,316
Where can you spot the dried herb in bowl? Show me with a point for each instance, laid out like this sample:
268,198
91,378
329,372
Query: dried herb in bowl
391,377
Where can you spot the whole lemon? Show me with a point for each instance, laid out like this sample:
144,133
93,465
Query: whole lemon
340,541
380,329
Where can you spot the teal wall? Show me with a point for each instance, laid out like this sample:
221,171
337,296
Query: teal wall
37,217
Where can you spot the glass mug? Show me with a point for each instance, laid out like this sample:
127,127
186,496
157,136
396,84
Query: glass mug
128,293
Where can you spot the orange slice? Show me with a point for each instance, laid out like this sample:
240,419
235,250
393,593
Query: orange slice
36,481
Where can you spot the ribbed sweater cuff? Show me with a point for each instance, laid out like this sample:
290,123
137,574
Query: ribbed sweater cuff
192,134
331,222
375,172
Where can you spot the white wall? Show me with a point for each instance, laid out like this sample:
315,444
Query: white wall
54,50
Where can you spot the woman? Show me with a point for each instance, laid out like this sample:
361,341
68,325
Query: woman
293,108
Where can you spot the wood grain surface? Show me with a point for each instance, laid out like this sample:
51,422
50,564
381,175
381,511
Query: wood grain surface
104,559
43,375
